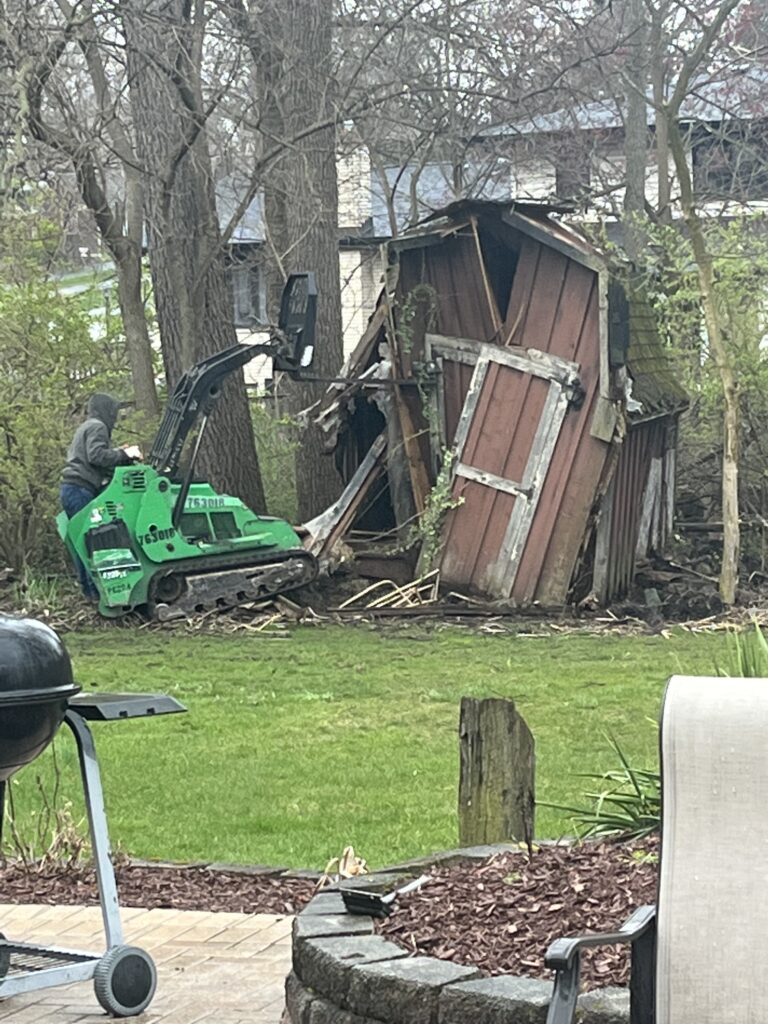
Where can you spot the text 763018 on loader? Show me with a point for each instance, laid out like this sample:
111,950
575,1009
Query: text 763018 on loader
158,541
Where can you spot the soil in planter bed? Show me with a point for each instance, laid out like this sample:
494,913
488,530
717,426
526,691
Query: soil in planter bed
186,888
501,915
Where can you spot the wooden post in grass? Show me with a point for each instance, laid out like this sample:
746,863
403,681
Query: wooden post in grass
496,783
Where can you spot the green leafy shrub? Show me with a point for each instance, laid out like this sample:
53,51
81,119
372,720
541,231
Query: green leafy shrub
429,529
277,438
740,251
54,353
49,365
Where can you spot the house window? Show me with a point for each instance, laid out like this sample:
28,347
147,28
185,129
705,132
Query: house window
731,161
249,294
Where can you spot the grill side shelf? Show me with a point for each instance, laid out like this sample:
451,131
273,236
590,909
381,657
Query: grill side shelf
110,707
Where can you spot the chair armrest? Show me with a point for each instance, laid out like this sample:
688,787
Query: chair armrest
561,951
564,956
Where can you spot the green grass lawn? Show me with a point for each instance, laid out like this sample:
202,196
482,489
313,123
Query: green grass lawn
294,747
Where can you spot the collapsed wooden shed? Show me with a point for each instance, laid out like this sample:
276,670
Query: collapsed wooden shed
509,391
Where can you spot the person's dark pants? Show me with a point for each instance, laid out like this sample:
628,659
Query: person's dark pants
73,499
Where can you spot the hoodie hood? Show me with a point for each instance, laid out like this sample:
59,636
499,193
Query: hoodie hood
104,408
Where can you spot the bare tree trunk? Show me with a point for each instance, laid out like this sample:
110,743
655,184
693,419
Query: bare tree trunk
313,223
123,241
662,136
137,340
128,260
291,48
635,128
729,573
187,259
314,235
729,570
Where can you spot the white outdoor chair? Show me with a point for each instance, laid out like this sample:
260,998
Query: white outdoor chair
696,955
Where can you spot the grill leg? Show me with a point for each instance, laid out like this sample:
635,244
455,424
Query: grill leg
97,820
2,813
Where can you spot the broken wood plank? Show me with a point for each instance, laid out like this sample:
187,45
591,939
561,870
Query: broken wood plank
420,482
408,593
363,593
505,569
324,530
529,360
493,306
470,405
498,483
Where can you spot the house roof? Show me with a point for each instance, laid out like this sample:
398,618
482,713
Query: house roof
434,191
531,217
741,95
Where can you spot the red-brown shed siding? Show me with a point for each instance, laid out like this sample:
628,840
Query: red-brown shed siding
457,301
456,379
556,303
644,442
579,461
553,308
499,442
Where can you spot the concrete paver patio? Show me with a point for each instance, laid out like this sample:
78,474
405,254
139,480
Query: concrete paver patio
222,968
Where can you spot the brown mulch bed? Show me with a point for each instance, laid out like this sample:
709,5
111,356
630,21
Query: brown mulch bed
502,915
188,888
499,916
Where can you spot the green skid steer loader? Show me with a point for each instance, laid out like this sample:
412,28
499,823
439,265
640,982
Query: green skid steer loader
155,540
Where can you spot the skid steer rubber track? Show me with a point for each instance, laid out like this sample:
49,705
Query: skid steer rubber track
187,591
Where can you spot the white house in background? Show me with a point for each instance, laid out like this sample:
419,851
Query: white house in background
359,266
577,153
573,155
365,222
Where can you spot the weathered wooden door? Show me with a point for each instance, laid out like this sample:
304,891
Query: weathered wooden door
503,447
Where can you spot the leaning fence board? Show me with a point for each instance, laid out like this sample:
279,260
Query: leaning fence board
497,767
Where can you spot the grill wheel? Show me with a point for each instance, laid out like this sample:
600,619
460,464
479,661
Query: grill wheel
125,981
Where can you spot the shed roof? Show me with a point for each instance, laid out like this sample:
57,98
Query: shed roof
655,385
654,382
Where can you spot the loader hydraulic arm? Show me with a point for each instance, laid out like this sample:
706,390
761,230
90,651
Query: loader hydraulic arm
291,345
193,398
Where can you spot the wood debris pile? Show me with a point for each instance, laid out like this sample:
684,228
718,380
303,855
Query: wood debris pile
421,593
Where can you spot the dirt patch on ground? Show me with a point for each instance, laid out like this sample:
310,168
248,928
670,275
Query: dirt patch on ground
189,888
502,915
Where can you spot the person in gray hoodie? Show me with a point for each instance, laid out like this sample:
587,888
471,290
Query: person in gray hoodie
90,461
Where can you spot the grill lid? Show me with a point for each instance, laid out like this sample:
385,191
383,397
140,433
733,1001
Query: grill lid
34,665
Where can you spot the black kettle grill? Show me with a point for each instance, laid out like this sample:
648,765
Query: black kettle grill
35,687
37,695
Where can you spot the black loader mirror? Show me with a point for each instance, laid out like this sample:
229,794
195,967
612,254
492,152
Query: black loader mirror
298,314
